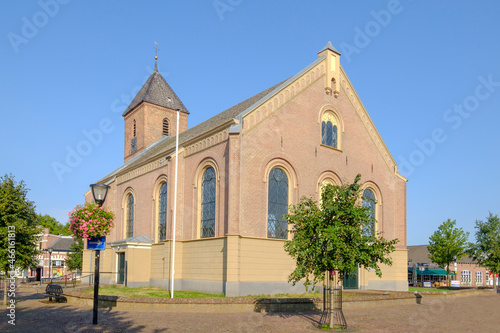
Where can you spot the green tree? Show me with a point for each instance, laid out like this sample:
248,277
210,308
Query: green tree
54,226
487,248
329,237
74,260
446,243
18,230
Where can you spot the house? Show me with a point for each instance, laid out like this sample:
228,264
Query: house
55,249
467,271
238,172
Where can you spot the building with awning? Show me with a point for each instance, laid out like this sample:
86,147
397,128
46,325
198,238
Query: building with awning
466,270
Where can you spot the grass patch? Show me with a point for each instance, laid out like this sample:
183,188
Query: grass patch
152,292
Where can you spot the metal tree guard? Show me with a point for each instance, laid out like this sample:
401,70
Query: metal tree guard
332,316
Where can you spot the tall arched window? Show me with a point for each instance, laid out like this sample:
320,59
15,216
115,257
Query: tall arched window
277,197
130,216
135,132
208,184
166,127
162,213
369,202
329,130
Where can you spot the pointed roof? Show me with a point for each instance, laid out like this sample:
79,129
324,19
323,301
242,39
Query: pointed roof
329,46
156,91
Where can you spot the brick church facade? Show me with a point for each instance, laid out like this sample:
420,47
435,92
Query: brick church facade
237,173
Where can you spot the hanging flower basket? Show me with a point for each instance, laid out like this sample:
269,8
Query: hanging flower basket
90,221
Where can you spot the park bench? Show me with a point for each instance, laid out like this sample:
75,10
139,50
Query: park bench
55,291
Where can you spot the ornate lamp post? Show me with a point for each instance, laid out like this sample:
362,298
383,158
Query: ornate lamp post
50,263
99,192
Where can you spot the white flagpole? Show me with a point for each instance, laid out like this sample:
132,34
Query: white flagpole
175,203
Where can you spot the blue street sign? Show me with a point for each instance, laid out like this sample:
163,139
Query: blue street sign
98,243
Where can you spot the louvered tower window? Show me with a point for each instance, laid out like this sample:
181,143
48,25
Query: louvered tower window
166,127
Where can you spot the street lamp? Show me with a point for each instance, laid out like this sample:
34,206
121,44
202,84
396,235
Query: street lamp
99,192
50,263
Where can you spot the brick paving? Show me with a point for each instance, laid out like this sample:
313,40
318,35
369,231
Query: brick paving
474,313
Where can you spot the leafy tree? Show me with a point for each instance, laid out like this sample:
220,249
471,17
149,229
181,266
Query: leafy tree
55,228
18,230
446,243
487,248
329,237
74,260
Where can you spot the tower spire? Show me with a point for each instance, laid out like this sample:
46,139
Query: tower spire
156,56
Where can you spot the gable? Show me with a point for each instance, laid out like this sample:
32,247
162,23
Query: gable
290,89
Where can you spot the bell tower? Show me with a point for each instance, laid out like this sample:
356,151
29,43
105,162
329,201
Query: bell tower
152,115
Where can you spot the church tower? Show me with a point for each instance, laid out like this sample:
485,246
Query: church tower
152,115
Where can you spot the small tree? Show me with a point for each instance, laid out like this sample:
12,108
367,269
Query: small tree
446,243
18,230
487,248
74,260
329,237
54,226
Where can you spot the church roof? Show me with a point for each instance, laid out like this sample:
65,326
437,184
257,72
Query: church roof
167,143
157,91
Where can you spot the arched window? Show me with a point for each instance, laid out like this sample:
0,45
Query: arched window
166,127
329,130
135,132
208,184
369,202
162,213
130,216
277,197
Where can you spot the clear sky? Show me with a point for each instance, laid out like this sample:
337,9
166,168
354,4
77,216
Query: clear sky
428,72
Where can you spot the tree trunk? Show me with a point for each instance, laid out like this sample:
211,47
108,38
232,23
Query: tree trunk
448,281
5,290
331,300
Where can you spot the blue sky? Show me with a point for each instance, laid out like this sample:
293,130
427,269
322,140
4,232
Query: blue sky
427,72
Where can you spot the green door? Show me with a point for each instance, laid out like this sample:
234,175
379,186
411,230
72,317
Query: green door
121,268
350,281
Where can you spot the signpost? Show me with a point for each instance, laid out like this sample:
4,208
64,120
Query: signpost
99,192
96,244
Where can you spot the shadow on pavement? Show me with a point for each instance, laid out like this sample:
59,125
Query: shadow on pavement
34,313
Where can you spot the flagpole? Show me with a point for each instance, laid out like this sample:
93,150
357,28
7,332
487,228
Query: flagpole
175,204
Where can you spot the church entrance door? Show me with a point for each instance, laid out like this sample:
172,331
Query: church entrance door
350,281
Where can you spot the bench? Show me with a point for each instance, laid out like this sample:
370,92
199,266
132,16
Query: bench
55,291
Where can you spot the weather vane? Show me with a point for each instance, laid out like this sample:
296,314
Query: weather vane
156,51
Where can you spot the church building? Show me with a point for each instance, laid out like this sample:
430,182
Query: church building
238,172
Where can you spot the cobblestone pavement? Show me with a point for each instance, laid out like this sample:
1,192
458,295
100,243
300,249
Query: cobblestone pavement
475,313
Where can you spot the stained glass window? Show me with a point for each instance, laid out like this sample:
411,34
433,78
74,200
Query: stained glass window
369,202
208,203
162,213
130,216
329,130
277,204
